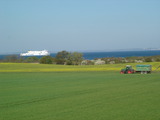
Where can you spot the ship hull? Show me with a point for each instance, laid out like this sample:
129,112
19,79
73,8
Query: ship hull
36,53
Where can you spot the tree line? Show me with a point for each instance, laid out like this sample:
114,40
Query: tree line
76,58
62,57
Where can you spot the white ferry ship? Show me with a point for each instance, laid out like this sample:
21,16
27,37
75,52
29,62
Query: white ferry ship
36,53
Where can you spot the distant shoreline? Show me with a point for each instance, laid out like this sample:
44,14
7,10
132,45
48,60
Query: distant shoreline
93,55
125,50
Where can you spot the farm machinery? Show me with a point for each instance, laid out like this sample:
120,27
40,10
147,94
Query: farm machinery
143,69
127,70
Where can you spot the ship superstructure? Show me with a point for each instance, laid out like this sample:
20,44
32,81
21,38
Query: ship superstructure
36,53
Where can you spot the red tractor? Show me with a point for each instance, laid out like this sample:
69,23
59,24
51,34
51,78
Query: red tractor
127,70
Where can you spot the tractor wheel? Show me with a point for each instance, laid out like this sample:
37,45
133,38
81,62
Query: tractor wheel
129,72
121,72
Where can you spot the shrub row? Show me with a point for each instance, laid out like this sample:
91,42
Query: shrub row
76,58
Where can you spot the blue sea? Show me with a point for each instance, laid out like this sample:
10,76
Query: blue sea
93,55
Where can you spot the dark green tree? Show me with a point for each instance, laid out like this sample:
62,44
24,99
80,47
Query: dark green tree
62,57
46,60
12,58
32,59
76,58
69,59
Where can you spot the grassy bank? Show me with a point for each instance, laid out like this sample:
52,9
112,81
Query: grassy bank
79,96
28,67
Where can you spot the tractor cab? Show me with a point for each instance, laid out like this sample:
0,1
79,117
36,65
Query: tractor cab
127,70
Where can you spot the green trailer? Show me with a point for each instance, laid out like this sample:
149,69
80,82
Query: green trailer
143,69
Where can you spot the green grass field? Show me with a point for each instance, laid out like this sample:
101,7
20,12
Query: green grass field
83,95
79,96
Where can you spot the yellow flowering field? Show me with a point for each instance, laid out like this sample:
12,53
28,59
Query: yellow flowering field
30,67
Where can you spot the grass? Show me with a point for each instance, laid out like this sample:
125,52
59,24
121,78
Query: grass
26,67
78,95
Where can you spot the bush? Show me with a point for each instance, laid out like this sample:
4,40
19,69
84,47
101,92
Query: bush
148,59
11,58
46,60
157,60
87,62
32,60
99,62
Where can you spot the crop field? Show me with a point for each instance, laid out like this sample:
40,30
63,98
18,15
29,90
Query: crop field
105,95
28,67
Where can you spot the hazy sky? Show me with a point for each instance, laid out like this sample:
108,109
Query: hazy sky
78,25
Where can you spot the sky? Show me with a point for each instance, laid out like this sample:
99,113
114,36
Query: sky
78,25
